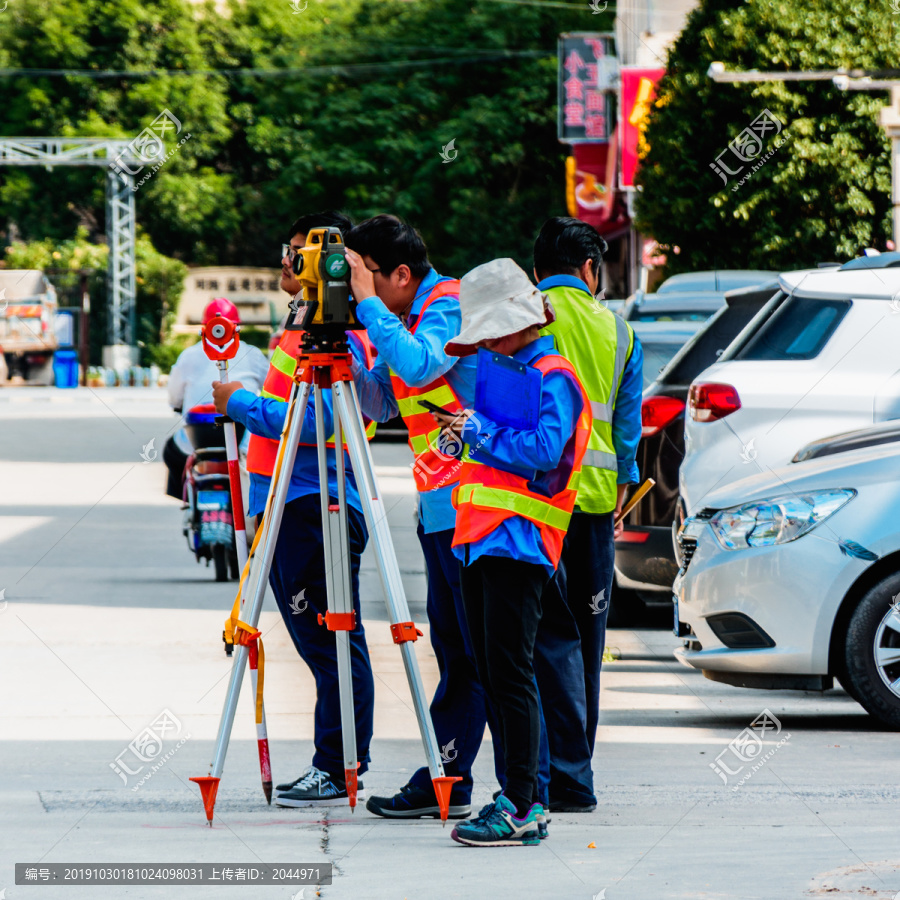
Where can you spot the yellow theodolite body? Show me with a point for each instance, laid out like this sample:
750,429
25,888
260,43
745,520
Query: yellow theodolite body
322,269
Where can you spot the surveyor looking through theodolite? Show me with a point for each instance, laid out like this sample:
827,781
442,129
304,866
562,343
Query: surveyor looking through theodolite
298,574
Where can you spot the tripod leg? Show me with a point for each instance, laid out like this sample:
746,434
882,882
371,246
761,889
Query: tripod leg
240,543
347,407
340,617
257,580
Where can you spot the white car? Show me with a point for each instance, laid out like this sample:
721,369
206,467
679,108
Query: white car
819,358
791,577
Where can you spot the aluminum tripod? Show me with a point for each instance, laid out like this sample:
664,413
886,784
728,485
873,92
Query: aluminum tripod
318,369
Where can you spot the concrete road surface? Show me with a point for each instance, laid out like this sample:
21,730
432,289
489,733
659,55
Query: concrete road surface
109,624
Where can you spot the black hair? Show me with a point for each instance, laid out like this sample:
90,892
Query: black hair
563,246
328,218
391,243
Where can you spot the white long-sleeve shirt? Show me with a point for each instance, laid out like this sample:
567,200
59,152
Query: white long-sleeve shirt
191,378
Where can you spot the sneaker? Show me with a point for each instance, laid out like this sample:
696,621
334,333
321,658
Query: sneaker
543,820
498,826
413,803
315,788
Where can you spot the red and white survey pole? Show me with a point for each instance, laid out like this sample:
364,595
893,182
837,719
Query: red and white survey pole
220,343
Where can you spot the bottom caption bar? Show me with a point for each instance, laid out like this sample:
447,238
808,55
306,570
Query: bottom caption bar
173,873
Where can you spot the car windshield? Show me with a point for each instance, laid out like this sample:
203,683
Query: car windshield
723,280
800,329
682,315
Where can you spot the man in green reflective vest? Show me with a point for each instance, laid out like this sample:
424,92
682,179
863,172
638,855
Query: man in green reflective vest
608,359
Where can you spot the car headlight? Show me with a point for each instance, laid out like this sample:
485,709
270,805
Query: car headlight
776,520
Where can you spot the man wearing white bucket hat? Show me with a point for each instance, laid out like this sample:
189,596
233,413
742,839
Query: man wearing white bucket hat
517,486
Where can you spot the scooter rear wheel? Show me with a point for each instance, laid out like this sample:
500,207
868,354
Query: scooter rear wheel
220,561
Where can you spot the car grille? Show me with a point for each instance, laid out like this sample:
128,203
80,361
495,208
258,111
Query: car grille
688,548
688,545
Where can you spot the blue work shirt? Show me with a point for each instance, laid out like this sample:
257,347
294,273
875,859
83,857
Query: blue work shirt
538,450
265,417
626,421
417,359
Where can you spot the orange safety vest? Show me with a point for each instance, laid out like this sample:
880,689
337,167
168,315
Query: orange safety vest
262,451
486,496
432,468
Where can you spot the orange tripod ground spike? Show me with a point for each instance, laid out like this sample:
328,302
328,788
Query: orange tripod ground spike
352,781
209,787
443,784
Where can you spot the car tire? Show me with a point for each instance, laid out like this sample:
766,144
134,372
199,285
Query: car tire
868,630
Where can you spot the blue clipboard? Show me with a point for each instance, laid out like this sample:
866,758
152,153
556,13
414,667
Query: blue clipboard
507,391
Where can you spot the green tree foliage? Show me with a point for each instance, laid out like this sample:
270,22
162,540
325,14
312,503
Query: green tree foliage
824,194
369,137
376,89
160,282
113,35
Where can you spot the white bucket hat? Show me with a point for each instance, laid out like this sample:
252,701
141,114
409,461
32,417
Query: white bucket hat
497,299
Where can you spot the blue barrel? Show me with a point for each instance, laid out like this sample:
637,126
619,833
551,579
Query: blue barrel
65,368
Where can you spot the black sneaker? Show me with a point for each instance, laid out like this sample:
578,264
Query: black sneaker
413,803
569,806
315,788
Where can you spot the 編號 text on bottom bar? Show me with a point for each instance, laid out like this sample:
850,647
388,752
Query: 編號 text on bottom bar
173,873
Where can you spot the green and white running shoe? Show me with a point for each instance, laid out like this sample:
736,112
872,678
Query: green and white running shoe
498,826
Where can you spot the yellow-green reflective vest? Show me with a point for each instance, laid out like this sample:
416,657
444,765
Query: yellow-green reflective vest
598,343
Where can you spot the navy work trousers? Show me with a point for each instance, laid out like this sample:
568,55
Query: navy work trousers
568,653
503,607
458,707
298,581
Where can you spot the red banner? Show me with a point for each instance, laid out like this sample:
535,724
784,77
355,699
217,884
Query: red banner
638,92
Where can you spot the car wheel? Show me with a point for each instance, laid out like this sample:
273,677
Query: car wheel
872,652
